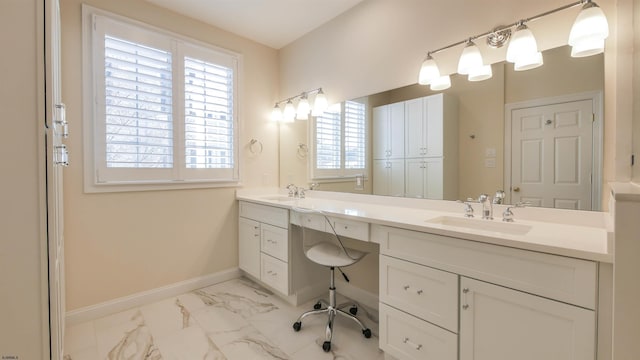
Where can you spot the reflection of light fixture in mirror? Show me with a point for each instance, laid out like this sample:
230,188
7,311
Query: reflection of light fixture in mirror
276,114
320,103
441,83
589,31
429,71
303,108
289,112
523,49
470,59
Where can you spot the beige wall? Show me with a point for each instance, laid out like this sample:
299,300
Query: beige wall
23,252
118,244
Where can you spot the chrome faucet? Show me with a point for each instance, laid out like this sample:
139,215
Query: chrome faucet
487,207
293,190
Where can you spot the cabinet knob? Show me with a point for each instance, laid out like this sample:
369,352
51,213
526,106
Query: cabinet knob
516,189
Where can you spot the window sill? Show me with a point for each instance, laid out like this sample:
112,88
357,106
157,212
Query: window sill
136,186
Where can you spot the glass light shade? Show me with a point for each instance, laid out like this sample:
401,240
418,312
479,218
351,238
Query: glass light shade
428,72
590,24
481,73
320,104
587,47
470,59
289,113
276,114
441,83
522,44
303,109
529,62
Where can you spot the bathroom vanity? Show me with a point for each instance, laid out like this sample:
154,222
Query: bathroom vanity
452,287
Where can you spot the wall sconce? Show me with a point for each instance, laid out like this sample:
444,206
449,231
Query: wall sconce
303,108
587,37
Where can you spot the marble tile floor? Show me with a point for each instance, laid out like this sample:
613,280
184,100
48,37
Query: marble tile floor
237,319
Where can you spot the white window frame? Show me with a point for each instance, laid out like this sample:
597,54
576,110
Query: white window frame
341,174
99,178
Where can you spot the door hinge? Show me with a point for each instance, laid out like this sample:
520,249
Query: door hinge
593,117
633,160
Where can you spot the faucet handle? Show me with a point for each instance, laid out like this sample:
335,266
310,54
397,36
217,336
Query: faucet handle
507,215
301,193
483,197
468,209
293,190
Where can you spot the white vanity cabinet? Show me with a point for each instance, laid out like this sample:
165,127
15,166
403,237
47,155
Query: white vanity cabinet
482,302
497,323
264,244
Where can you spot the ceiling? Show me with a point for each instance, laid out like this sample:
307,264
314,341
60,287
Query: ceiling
274,23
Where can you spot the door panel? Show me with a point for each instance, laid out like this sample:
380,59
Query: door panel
552,155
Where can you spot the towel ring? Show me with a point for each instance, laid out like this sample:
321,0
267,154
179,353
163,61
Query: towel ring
302,150
255,149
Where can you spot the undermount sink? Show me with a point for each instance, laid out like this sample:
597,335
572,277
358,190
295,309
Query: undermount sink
482,225
279,198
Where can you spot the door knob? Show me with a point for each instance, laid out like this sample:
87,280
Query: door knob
516,189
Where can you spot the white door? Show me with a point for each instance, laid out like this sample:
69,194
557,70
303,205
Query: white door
552,155
388,131
497,323
57,159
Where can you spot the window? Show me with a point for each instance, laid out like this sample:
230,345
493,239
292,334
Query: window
162,108
340,141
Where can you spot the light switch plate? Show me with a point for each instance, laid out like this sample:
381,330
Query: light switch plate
490,152
490,163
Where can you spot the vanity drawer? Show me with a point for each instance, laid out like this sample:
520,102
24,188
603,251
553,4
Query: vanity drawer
556,277
427,293
275,241
309,221
351,229
274,273
406,337
266,214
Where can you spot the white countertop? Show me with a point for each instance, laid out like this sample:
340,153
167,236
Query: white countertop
579,234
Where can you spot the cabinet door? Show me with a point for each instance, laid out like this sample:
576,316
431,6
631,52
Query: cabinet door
415,128
497,323
414,178
396,130
434,131
434,184
249,246
388,177
380,130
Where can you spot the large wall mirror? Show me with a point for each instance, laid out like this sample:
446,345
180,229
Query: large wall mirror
530,133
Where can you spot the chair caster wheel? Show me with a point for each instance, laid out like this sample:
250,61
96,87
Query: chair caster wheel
366,333
317,306
353,310
297,325
326,346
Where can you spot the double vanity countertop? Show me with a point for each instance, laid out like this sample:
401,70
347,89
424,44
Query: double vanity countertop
579,234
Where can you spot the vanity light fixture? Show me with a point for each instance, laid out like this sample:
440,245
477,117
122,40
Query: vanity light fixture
587,37
429,71
301,112
588,31
523,49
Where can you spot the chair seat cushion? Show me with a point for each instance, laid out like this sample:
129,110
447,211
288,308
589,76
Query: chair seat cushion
328,254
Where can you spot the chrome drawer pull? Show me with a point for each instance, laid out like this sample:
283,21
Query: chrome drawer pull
409,342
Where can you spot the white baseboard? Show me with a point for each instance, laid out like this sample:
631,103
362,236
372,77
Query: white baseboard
96,311
361,296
